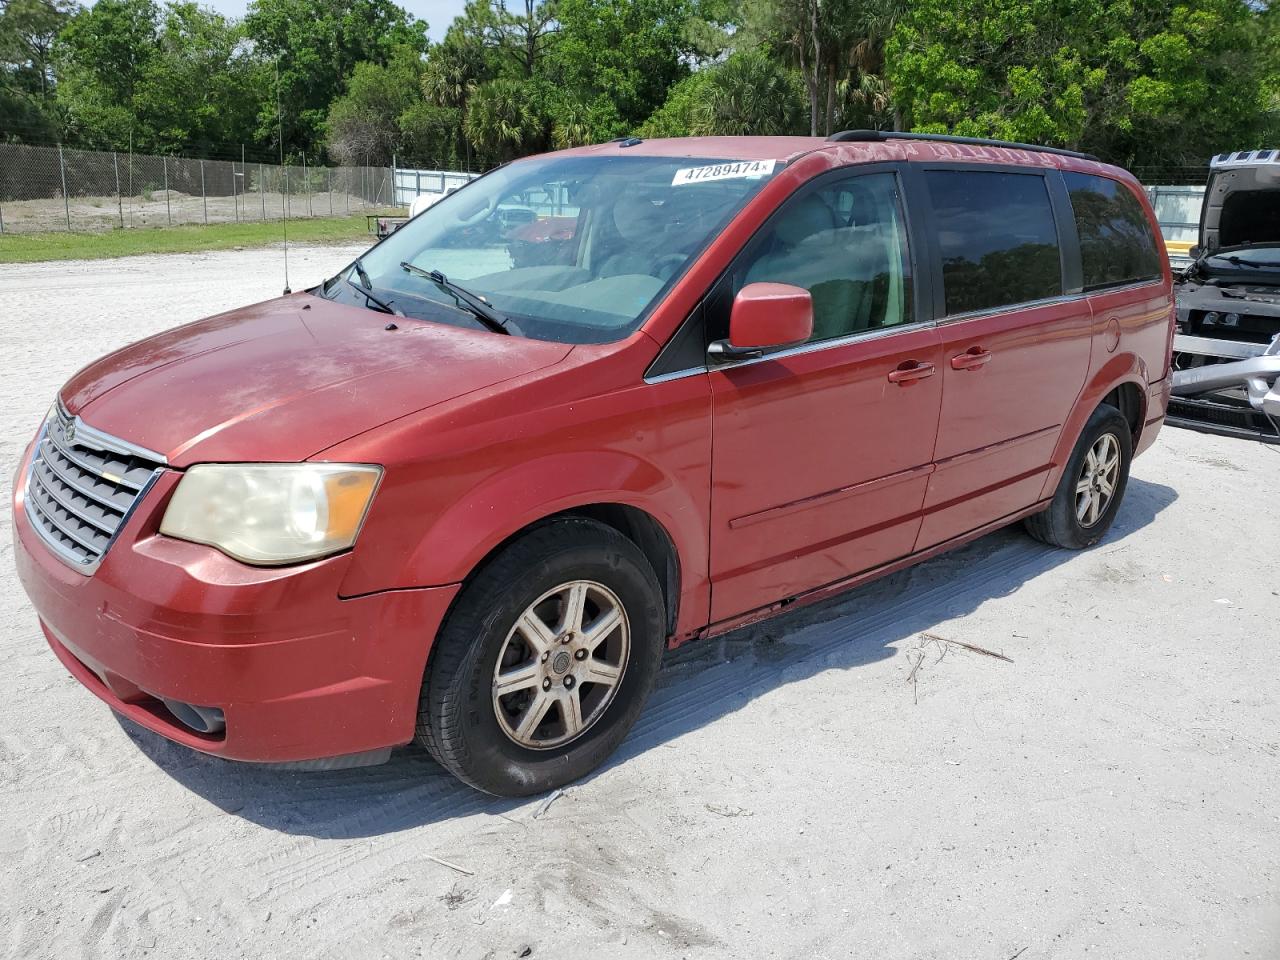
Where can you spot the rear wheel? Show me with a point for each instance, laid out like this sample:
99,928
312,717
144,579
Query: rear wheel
1092,485
545,661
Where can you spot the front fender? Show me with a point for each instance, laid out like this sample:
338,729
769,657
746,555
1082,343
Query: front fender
470,529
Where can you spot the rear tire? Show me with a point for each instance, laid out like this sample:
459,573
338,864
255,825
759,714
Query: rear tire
1092,485
545,661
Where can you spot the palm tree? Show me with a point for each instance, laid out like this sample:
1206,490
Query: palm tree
450,78
749,94
501,119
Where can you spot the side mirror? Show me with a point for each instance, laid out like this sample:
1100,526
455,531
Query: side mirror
765,316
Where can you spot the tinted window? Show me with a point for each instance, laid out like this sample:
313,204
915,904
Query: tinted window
845,242
997,238
1116,242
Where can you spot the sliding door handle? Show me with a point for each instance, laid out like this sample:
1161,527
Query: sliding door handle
971,359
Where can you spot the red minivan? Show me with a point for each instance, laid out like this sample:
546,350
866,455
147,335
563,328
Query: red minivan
446,497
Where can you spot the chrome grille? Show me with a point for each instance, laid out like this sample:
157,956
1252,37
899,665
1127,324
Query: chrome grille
82,485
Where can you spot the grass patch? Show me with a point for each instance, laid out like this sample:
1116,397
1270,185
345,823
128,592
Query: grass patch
33,247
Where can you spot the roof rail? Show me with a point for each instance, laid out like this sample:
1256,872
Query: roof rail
879,136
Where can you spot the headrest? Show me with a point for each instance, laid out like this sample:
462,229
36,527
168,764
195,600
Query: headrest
636,217
802,221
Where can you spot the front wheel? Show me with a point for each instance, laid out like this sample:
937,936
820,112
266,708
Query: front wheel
1092,485
545,661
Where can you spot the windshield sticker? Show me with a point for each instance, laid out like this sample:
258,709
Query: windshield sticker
741,169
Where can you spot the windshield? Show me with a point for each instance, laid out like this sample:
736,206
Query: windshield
568,248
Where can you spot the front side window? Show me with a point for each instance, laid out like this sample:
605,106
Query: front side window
570,248
997,239
1117,245
845,242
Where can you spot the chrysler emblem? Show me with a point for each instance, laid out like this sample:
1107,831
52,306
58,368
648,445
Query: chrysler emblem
69,433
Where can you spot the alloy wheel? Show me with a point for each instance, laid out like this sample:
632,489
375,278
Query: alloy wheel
561,665
1098,477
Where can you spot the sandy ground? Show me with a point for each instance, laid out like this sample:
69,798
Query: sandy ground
1110,793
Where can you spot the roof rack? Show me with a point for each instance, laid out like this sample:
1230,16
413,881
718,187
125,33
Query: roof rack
879,136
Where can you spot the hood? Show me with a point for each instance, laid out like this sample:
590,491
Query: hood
1242,202
285,379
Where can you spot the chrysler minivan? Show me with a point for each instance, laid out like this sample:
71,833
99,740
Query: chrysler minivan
450,498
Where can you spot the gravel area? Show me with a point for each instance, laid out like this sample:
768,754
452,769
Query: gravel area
834,784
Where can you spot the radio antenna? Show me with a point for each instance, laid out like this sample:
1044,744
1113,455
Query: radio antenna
284,205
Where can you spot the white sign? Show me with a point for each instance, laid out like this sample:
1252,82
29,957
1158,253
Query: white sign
735,170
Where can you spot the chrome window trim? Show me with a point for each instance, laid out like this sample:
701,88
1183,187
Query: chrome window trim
796,351
1047,301
1122,287
1011,308
108,442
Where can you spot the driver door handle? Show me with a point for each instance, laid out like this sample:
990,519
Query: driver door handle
910,370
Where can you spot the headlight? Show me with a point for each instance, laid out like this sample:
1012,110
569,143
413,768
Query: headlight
272,513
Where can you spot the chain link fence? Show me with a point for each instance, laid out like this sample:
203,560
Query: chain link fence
44,189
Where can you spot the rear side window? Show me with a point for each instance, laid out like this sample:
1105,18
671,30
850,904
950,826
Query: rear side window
997,238
1117,245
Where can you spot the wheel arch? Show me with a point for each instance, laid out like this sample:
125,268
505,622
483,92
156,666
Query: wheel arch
637,525
1122,382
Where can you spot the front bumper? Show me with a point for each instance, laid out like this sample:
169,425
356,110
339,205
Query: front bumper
1235,390
298,672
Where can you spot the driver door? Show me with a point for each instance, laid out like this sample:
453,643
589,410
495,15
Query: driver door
821,453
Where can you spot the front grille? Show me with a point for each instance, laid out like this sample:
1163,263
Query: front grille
81,487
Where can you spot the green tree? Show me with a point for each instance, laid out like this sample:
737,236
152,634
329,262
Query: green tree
316,45
27,32
615,60
102,57
202,89
836,45
749,94
163,79
503,121
1135,81
366,125
1269,46
430,136
486,43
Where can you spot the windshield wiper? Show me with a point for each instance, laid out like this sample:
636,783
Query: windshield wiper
475,304
369,295
1244,261
362,273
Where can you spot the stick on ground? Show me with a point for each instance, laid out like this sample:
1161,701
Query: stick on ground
968,646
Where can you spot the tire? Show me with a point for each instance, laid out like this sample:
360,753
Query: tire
473,730
1061,523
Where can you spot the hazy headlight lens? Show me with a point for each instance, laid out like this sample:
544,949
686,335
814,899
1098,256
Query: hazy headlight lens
272,513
